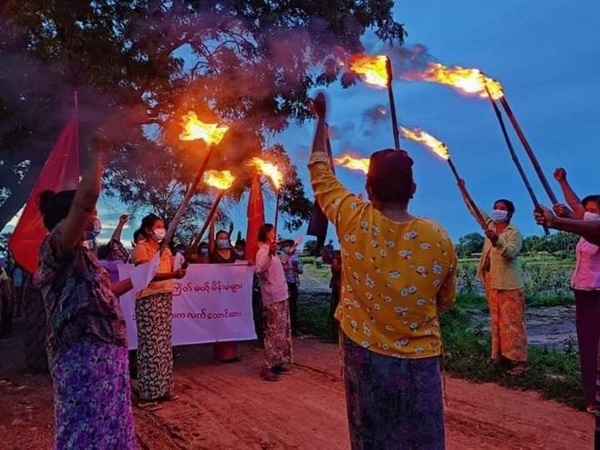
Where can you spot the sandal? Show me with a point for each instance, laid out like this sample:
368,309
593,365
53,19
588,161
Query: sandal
149,406
519,369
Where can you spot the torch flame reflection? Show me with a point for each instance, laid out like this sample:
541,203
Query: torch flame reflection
220,179
373,69
269,170
194,129
424,138
350,162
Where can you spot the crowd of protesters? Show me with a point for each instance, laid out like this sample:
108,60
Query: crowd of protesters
393,276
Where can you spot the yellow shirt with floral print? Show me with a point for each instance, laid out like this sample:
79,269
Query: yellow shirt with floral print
396,276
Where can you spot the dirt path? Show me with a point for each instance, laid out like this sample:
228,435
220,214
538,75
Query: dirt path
229,407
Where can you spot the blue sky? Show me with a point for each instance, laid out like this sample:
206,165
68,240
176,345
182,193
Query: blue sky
547,56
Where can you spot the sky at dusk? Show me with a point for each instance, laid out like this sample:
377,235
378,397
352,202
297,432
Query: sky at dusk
547,56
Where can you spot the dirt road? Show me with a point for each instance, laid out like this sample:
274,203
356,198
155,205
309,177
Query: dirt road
229,407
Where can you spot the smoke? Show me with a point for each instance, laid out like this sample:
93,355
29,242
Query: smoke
376,114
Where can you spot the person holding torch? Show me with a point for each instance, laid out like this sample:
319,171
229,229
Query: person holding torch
500,272
398,274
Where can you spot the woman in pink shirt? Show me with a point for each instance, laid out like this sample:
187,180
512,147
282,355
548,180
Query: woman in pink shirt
586,286
274,292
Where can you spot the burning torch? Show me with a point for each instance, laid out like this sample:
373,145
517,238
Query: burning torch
221,181
270,170
440,149
377,71
473,81
194,129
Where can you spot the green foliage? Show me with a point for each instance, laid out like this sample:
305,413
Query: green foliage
247,63
547,281
469,244
310,247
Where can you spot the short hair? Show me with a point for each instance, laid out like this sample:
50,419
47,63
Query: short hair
510,206
591,198
390,176
263,231
55,206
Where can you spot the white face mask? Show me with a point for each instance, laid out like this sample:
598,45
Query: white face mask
499,216
591,216
223,244
159,234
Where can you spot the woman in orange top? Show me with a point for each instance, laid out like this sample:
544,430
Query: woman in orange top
153,312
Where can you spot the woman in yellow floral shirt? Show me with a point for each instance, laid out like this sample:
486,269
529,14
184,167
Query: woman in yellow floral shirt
398,273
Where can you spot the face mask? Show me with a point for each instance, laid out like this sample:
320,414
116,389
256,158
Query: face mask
93,234
591,216
499,216
204,251
223,244
159,234
285,250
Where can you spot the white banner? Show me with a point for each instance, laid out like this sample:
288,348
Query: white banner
213,303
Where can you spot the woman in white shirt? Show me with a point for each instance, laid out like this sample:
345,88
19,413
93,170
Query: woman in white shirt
274,291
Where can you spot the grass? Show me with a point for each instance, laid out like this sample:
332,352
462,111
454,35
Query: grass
555,374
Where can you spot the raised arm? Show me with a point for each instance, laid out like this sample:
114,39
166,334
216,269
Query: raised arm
320,142
116,236
84,204
587,229
571,198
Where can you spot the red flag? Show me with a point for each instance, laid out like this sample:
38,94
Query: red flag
60,172
256,218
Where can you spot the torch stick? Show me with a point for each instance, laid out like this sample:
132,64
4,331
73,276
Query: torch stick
468,197
514,156
186,200
528,150
395,129
206,224
276,213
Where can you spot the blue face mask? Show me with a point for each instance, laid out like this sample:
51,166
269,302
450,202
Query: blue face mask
95,232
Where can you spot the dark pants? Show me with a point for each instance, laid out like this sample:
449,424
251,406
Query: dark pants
392,403
293,290
587,321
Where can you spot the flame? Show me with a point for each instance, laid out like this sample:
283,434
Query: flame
269,170
424,138
194,128
471,81
373,69
353,163
220,179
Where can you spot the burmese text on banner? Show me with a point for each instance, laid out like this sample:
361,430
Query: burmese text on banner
213,303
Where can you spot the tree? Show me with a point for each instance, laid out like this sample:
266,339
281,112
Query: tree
469,244
310,247
247,63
